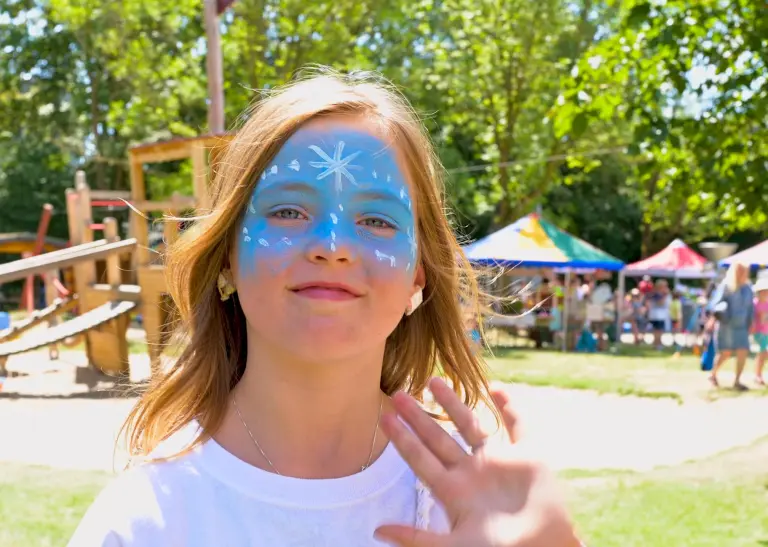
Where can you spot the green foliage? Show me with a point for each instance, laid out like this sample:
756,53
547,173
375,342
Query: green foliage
630,121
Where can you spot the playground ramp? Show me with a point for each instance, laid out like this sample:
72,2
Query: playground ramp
80,324
60,306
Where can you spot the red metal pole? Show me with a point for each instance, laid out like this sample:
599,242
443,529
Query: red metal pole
28,295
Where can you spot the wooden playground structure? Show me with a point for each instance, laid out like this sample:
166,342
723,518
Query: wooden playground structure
110,276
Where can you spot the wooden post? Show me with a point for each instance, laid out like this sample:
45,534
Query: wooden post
73,221
113,261
139,225
200,176
50,298
171,226
86,274
214,68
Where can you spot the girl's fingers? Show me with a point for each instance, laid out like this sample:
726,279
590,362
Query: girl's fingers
508,416
432,435
423,462
465,420
405,536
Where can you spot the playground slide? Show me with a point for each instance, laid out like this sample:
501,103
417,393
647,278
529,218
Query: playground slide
80,324
39,316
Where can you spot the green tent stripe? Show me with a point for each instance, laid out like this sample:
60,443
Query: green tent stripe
574,248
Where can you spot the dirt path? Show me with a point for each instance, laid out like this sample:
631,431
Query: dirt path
52,419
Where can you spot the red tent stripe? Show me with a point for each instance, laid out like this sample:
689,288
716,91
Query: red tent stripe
675,256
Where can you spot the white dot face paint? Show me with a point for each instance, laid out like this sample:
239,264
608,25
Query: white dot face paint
334,218
295,165
263,242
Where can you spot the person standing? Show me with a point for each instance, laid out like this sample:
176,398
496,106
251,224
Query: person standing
760,327
735,312
659,301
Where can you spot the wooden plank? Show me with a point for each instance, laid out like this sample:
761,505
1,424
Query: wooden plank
46,262
110,194
37,317
113,261
161,153
78,325
121,292
200,175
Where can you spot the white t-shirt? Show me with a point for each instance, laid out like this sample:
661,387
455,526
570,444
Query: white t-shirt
208,497
658,308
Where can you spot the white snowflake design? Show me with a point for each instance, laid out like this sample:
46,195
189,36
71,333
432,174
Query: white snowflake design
336,165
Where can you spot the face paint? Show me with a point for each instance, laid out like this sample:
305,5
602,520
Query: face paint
340,189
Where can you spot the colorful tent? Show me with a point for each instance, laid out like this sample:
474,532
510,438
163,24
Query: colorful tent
756,256
675,260
534,242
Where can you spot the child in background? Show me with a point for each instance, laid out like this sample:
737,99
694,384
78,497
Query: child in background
760,327
676,318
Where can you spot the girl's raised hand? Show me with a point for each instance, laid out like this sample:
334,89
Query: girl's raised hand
492,498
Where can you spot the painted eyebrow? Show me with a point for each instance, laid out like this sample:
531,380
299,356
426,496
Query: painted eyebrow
286,187
383,195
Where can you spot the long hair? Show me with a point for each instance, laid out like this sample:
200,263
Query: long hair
433,340
732,276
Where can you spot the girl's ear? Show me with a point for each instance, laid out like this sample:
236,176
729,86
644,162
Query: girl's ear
420,279
417,296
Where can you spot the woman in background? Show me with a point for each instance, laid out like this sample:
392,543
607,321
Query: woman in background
734,311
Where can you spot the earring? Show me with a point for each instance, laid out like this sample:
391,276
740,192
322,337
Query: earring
226,289
416,300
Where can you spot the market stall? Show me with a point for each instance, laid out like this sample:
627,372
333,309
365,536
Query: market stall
532,242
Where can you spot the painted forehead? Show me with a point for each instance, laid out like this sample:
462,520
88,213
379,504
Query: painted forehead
344,158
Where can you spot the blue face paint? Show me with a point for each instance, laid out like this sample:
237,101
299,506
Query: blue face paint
331,188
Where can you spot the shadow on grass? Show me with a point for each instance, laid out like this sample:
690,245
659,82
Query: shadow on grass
100,386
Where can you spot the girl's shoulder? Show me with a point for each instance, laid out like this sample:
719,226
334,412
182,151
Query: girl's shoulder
138,505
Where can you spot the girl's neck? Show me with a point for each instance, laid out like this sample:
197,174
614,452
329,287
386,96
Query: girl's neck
312,420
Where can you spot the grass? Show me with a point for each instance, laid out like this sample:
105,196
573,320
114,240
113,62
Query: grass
718,502
41,506
630,370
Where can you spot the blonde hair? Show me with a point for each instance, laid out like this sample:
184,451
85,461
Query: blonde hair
197,386
731,276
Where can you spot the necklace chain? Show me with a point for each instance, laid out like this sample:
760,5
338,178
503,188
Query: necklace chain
272,465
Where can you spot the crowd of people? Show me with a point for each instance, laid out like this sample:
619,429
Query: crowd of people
654,305
724,320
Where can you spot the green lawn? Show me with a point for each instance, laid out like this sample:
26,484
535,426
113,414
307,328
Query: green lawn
720,502
41,507
629,370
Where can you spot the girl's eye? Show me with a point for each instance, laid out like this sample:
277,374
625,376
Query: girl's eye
377,223
287,214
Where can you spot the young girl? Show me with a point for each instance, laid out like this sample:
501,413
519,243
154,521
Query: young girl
319,297
760,327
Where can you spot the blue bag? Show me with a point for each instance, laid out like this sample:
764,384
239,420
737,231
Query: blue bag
708,357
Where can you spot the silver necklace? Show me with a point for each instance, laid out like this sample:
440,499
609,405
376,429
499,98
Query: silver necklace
272,465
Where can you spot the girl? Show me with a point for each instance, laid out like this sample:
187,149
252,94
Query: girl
319,297
760,327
